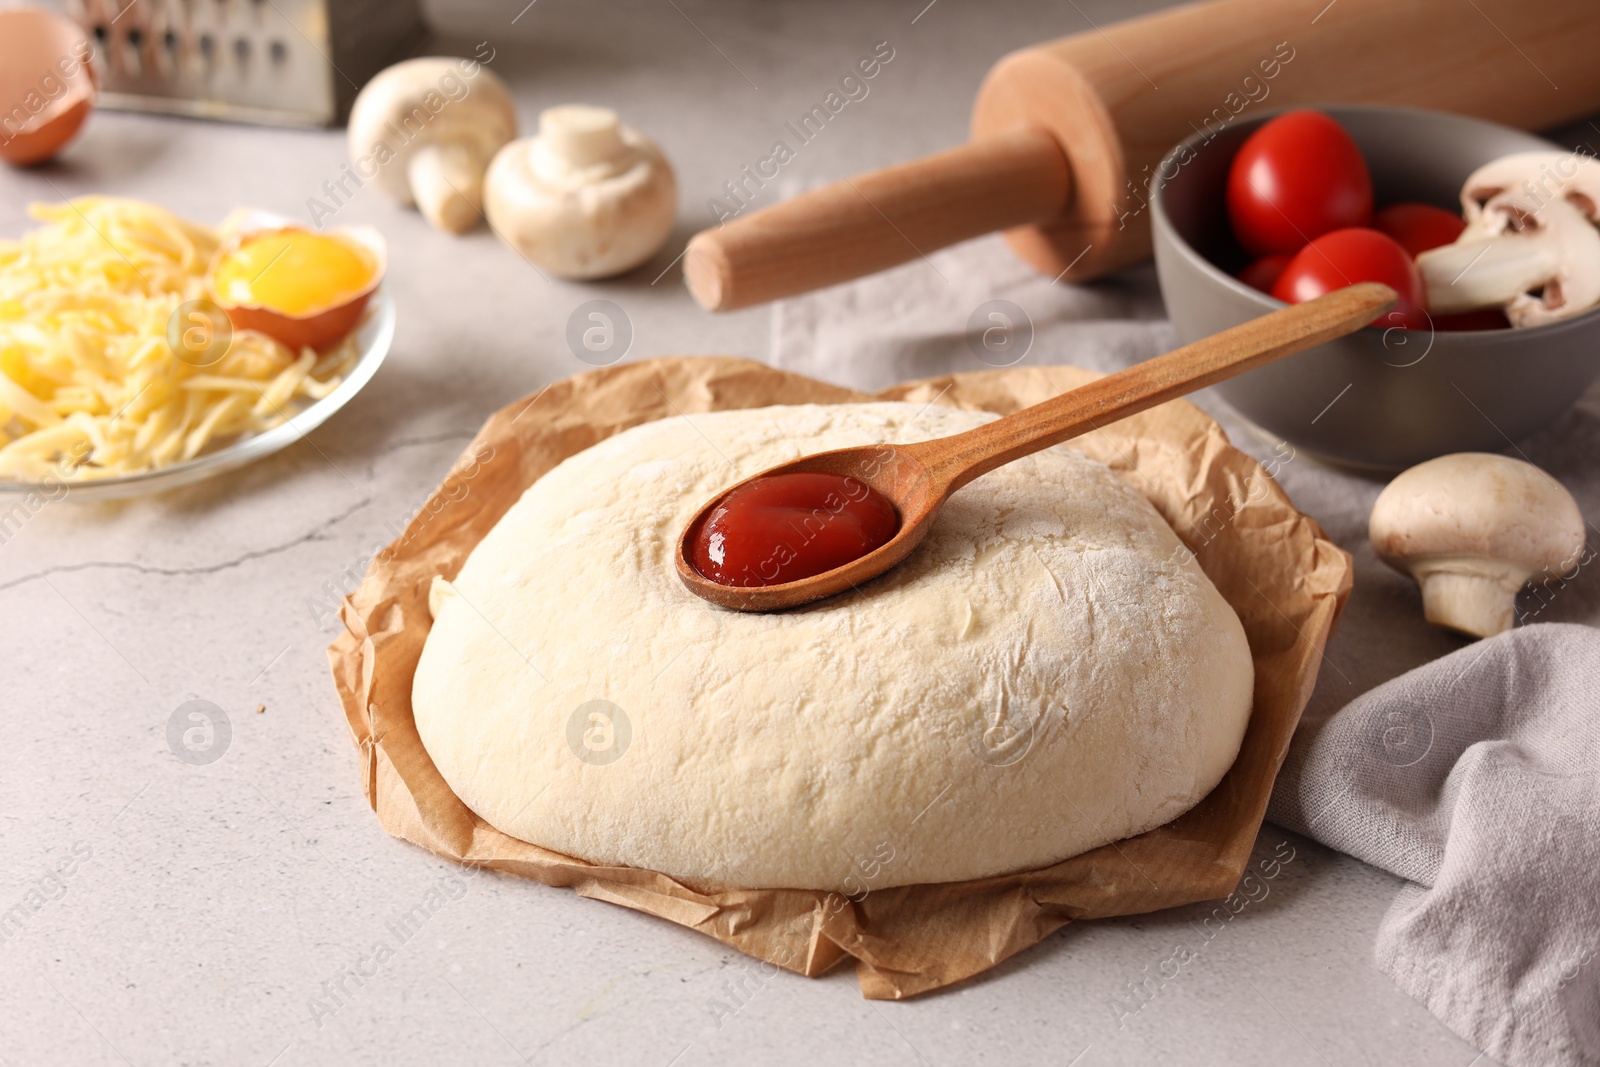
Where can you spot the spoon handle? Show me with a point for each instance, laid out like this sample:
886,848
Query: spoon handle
960,458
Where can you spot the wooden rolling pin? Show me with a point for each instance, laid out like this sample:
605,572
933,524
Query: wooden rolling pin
1066,135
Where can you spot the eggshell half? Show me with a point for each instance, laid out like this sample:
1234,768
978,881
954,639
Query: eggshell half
47,86
320,329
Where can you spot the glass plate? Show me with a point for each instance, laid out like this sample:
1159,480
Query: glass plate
374,336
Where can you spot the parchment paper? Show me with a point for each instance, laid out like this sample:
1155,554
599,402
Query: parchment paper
1275,566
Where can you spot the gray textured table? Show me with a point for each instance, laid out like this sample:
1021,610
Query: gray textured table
232,913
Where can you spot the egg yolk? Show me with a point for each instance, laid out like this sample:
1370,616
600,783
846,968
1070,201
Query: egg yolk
293,271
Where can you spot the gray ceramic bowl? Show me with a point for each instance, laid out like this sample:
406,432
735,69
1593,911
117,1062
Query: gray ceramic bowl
1384,399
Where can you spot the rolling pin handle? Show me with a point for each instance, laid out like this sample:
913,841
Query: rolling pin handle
891,216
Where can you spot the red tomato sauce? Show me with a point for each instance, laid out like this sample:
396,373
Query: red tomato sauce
785,527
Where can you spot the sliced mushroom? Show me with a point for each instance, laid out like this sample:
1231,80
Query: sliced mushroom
1538,261
1543,176
426,129
587,198
1473,528
1530,245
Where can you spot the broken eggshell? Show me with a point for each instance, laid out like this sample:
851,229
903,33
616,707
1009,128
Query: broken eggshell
47,85
319,326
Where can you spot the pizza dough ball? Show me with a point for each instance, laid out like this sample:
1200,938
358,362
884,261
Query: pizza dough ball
1048,672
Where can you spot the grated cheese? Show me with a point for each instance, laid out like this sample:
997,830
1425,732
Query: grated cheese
89,386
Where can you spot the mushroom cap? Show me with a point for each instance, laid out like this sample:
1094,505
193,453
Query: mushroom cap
1540,176
587,198
427,101
1477,505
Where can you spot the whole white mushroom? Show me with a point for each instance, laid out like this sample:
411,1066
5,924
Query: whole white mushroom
587,198
426,129
1473,528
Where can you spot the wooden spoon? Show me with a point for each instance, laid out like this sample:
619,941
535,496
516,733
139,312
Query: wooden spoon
919,478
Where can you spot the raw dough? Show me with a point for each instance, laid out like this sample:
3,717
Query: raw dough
1048,672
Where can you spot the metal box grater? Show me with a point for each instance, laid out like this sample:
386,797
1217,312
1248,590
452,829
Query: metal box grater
280,62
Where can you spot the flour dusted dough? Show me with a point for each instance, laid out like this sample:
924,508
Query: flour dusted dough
1048,672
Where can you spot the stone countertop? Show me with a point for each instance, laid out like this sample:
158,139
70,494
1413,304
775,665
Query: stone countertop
250,910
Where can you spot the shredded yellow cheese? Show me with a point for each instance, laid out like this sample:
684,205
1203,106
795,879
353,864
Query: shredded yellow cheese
90,386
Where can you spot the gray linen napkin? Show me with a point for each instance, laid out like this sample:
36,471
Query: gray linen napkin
1477,778
1495,824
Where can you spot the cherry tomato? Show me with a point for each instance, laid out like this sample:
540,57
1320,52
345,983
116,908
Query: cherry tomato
1296,178
1419,227
1263,273
1352,255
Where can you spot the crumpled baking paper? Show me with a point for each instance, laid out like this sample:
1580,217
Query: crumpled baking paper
1283,576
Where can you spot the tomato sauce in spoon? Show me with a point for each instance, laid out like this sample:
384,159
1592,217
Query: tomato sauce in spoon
784,527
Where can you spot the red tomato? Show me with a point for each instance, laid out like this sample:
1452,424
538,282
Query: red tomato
1263,273
1345,257
1419,227
1293,180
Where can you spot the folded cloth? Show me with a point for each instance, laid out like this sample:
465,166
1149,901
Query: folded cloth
1477,778
1498,935
973,307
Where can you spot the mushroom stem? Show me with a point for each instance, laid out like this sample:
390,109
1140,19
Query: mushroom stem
1477,597
1486,273
447,182
583,136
